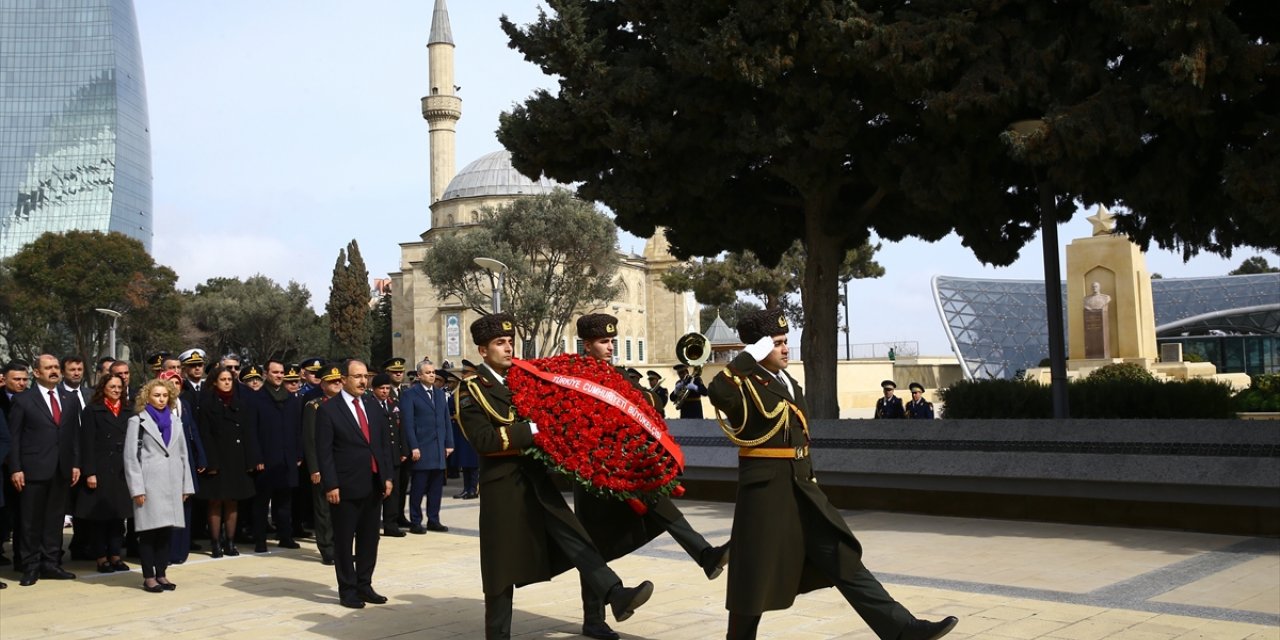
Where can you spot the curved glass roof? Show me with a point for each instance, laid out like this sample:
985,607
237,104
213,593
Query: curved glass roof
492,175
998,327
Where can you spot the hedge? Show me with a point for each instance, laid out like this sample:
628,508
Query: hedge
1101,397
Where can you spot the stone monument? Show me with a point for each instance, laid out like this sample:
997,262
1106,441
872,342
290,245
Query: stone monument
1097,334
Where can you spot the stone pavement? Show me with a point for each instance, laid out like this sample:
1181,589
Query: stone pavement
1004,579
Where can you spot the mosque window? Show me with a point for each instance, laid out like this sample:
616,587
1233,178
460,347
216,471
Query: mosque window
628,349
579,347
640,350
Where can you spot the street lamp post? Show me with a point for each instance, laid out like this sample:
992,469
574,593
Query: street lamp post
495,268
111,335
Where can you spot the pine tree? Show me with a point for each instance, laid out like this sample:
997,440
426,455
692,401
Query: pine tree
348,306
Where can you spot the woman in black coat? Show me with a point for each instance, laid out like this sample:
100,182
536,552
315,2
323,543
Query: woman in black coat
231,456
102,502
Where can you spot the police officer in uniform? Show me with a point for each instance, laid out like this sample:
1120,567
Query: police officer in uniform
615,529
918,408
787,537
890,406
520,497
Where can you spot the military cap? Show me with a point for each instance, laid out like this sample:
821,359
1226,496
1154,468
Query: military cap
393,365
467,364
446,374
379,380
250,373
192,357
914,386
597,325
494,325
633,373
681,367
653,374
156,360
314,365
888,384
762,324
330,372
292,372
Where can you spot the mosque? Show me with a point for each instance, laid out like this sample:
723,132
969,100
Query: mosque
650,318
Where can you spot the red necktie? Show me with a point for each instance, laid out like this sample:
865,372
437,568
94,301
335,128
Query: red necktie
364,428
53,406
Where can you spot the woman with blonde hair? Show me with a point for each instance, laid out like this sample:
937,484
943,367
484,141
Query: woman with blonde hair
158,472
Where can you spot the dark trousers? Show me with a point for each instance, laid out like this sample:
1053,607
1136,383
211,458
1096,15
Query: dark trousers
42,505
431,484
321,520
826,549
180,543
103,538
470,480
682,532
280,502
356,520
302,505
153,549
595,574
393,505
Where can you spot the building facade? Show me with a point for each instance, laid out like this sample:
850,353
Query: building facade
75,141
650,318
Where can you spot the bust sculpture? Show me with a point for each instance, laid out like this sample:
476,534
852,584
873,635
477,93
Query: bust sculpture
1098,300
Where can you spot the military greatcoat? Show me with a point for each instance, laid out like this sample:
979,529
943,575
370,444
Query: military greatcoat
517,495
769,566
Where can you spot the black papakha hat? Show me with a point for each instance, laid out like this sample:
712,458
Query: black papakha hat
762,324
381,379
594,326
494,325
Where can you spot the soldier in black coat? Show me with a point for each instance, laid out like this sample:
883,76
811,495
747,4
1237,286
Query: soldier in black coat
615,529
788,538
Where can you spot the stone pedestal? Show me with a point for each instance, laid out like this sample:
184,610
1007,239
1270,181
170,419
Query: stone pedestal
1125,327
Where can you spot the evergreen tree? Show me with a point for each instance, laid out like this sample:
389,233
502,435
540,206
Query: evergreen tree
348,306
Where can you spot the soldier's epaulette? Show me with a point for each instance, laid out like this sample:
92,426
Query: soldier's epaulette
483,380
762,380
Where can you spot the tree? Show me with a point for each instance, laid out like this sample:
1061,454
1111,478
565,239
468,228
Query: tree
50,289
749,125
348,305
718,281
561,259
1252,265
256,318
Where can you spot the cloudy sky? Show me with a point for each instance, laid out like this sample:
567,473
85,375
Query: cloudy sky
282,130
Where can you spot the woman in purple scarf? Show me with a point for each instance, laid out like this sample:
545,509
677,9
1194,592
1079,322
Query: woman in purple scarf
156,467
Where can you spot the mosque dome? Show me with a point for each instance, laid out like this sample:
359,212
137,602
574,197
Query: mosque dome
492,175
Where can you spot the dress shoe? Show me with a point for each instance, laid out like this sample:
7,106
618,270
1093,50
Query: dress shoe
260,547
167,586
371,596
625,600
714,560
403,522
326,559
351,602
216,551
29,578
230,549
926,630
154,588
119,565
471,496
288,544
3,585
393,532
105,567
436,526
599,630
57,573
417,529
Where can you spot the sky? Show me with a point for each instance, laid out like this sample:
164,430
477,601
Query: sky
283,130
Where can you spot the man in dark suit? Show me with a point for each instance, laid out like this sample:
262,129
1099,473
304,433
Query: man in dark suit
278,416
353,452
518,496
17,377
787,537
43,465
4,452
424,411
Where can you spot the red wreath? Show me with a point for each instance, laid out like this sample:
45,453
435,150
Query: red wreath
598,444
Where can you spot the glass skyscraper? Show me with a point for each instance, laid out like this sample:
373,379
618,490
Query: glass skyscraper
75,142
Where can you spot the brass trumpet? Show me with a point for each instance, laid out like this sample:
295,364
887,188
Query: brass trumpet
694,350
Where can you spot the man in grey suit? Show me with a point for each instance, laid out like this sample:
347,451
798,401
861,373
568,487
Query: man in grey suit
44,464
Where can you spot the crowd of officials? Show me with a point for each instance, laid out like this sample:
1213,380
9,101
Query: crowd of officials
225,451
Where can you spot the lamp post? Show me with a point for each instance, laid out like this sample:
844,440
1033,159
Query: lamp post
495,268
111,335
1052,275
848,349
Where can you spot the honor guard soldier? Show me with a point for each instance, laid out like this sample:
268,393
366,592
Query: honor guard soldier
890,406
614,527
311,368
787,537
394,367
252,377
520,497
918,408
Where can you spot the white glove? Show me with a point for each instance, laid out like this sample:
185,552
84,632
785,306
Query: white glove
533,428
760,349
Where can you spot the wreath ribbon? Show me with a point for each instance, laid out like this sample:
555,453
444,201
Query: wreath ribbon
614,399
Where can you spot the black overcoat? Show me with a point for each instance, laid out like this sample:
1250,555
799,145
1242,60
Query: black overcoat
102,447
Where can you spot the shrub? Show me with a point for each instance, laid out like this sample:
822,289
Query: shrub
1122,371
1263,394
1093,397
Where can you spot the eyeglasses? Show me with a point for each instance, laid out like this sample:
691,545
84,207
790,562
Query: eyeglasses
233,367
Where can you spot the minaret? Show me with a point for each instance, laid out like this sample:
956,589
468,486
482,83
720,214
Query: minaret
442,107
